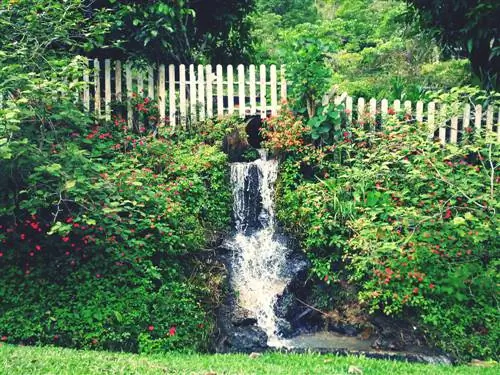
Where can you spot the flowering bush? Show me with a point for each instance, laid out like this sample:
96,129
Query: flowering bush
410,225
101,229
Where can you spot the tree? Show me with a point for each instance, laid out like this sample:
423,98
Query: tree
182,31
467,29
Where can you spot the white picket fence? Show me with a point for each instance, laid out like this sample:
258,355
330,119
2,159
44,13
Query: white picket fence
186,93
447,122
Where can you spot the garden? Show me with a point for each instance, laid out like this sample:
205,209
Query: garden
116,204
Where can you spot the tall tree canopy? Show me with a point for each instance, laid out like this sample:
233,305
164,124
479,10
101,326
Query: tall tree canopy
180,31
467,28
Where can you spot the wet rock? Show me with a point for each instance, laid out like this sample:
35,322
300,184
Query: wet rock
388,343
242,317
246,340
284,328
235,144
344,329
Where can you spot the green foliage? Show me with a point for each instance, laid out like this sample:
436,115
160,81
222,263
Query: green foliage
179,31
100,228
409,224
466,28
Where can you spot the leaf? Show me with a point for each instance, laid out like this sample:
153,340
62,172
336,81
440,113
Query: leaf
69,184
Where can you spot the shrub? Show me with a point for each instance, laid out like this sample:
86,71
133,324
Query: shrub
410,224
101,232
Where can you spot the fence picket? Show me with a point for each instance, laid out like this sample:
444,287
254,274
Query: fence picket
454,126
263,104
253,90
442,123
97,88
397,106
478,114
210,99
151,83
348,107
489,118
283,84
408,109
107,89
118,81
373,108
466,118
192,93
431,116
172,102
241,90
128,83
230,89
201,92
182,95
361,108
86,88
274,94
140,83
220,98
162,100
384,108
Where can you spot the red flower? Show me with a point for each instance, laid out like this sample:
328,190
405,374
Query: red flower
172,331
447,215
4,338
415,290
23,236
150,328
38,248
325,278
1,255
431,285
65,239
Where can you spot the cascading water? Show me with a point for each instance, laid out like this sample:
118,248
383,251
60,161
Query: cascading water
259,257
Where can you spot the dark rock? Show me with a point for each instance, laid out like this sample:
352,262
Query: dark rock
242,317
284,328
235,144
344,329
388,343
246,340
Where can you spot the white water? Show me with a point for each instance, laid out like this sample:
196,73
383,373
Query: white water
258,257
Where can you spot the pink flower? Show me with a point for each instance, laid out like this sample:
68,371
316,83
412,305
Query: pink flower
150,328
172,331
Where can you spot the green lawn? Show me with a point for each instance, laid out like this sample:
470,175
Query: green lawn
36,360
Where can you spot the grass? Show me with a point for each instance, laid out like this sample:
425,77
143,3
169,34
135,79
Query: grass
48,360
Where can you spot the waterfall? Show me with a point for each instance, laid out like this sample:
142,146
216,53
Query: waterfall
259,257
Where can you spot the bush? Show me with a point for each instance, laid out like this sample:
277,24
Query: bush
407,223
102,230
